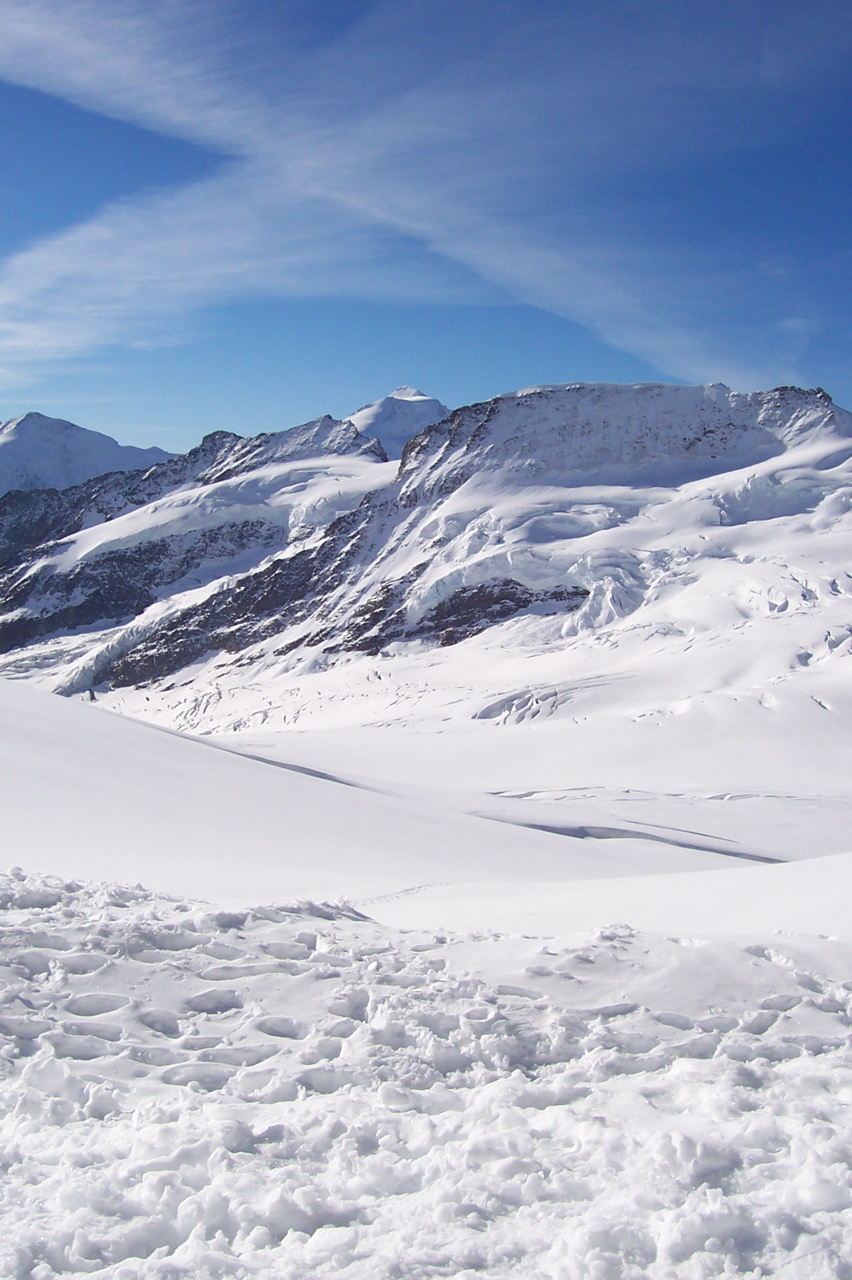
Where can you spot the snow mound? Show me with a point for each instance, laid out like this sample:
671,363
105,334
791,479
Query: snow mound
397,417
37,452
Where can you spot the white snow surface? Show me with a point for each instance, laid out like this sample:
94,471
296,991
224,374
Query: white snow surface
37,452
551,976
293,1092
397,417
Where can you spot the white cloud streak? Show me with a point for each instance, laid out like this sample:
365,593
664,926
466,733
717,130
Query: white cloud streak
407,159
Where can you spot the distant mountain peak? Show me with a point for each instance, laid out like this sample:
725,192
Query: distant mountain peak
32,421
409,393
396,417
38,452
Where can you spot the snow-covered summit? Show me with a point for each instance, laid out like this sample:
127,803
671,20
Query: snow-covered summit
37,452
611,432
397,417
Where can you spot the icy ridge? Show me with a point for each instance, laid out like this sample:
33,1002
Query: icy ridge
607,432
28,519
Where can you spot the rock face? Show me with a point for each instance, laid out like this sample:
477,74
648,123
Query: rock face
37,452
603,432
175,521
309,540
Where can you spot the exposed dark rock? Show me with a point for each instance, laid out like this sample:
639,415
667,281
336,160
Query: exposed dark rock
39,598
30,518
119,584
472,609
291,589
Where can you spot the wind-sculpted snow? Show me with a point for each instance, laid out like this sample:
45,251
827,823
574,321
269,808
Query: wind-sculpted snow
297,1091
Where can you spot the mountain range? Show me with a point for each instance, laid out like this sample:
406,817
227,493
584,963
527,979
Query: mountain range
452,873
547,517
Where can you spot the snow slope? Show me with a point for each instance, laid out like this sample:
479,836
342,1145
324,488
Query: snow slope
86,792
653,637
397,417
472,1078
49,453
697,680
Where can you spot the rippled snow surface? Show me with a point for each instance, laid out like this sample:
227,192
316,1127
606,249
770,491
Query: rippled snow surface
301,1092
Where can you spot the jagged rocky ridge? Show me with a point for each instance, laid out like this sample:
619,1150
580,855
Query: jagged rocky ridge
125,581
310,539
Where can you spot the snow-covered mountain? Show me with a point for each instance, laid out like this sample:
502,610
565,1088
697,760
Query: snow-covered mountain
397,417
511,863
551,514
220,509
49,453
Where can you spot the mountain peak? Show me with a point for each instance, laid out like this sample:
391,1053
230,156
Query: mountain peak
398,416
32,420
38,452
408,393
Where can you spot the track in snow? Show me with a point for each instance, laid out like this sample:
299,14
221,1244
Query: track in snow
296,1092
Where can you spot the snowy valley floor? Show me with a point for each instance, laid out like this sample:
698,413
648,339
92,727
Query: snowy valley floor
571,1025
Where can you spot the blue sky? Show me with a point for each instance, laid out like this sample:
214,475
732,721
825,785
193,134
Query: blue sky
244,213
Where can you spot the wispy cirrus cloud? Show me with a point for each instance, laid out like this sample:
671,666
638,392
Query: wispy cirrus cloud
421,152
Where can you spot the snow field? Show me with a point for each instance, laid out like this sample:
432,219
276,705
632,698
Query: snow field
302,1092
